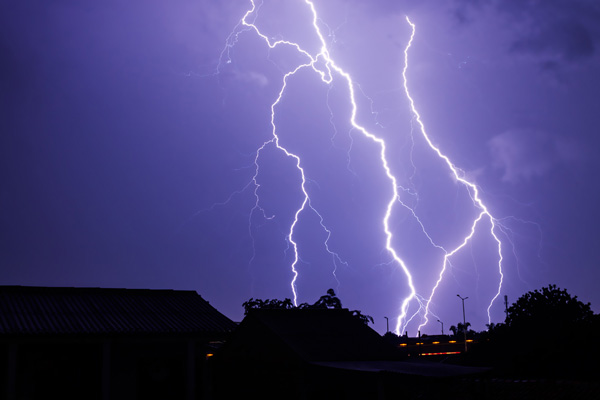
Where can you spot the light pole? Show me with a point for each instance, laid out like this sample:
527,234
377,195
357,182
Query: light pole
442,326
387,324
464,320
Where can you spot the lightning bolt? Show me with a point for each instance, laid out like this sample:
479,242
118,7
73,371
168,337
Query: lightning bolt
472,189
326,77
322,64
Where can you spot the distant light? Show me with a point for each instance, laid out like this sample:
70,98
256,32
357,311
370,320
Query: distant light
469,340
403,345
209,355
439,354
452,341
435,342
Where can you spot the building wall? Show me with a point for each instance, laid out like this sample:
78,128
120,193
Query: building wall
103,368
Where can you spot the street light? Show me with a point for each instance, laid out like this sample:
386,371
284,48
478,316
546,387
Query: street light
442,326
387,324
464,320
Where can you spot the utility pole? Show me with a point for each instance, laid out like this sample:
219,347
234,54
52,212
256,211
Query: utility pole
387,324
506,307
464,320
442,326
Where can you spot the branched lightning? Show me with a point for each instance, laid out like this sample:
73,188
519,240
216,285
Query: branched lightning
326,68
326,72
472,189
306,203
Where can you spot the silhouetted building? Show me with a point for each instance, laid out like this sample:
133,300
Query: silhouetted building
322,353
93,343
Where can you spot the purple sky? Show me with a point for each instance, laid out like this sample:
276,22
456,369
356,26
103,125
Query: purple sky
129,133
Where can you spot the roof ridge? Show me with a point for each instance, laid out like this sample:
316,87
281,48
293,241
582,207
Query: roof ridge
93,288
84,310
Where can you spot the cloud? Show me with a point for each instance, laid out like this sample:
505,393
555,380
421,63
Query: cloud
569,40
464,9
525,154
253,77
390,6
557,31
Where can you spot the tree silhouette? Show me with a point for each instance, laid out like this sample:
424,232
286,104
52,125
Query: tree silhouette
546,334
454,330
364,318
328,301
551,311
459,329
268,303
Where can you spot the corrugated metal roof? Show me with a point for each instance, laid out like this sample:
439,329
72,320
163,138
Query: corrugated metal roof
68,310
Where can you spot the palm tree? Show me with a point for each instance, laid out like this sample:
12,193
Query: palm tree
463,328
454,330
459,328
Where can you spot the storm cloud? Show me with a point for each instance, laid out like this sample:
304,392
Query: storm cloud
525,154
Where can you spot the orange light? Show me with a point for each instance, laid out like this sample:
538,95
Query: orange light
403,345
439,354
209,355
436,343
452,341
469,340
